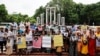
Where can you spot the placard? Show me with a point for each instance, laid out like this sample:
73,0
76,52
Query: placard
37,43
46,41
21,42
84,27
58,40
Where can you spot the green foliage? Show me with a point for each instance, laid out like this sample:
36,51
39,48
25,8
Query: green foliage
17,17
5,17
75,13
39,11
3,13
32,20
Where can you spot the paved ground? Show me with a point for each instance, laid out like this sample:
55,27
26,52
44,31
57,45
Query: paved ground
43,54
37,54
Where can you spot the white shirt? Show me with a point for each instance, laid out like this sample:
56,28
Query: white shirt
22,27
1,36
29,36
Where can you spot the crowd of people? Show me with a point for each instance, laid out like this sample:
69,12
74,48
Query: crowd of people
77,40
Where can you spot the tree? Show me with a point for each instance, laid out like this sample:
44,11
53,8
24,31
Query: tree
39,11
3,13
74,13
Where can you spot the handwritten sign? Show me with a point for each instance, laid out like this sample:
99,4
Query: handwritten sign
58,40
46,41
84,27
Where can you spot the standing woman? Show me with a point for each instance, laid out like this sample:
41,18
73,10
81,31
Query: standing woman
1,39
9,45
92,43
84,50
79,43
59,48
29,39
66,40
5,37
73,45
98,39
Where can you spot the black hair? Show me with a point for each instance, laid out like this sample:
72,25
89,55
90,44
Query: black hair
6,30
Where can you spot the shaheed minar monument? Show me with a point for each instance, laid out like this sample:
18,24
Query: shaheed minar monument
51,17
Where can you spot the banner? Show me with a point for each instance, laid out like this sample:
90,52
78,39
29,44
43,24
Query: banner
37,43
46,41
58,40
21,42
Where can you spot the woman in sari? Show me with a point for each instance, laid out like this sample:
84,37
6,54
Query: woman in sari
98,39
91,43
9,50
79,43
84,50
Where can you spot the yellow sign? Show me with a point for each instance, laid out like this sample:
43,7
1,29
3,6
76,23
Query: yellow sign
84,27
21,42
58,40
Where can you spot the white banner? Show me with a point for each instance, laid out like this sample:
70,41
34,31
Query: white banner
46,41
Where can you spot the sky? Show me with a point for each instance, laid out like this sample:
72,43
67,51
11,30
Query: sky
29,6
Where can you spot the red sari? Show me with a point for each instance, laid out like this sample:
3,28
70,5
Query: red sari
92,46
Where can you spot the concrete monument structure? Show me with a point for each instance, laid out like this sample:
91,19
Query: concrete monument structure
51,17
